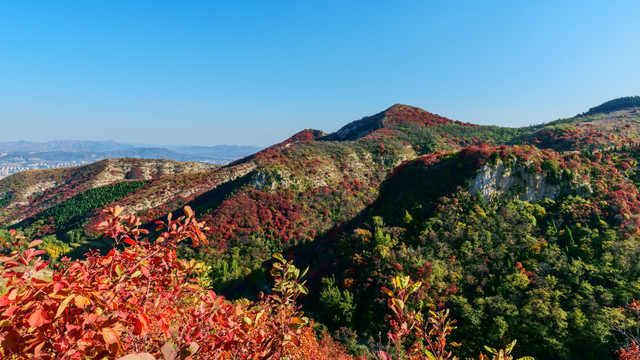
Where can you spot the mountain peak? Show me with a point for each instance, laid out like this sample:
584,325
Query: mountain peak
398,114
405,114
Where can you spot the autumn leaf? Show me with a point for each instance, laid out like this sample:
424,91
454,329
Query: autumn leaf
82,301
117,210
141,324
34,243
110,336
63,305
38,318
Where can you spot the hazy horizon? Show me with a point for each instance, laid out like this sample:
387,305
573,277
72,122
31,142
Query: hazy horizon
138,144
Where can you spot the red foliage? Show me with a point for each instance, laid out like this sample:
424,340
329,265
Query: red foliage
632,352
303,136
144,300
400,114
480,153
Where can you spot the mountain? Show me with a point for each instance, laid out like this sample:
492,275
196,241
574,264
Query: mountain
396,115
22,155
527,233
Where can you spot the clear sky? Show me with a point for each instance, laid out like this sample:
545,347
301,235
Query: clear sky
255,72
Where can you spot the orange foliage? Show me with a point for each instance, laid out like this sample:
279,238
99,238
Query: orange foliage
140,301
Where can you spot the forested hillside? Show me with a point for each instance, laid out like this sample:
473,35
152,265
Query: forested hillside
521,233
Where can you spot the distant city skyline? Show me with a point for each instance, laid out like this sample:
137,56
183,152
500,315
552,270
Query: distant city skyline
254,73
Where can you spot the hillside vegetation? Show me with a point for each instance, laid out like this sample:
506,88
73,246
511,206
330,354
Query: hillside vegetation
615,105
520,233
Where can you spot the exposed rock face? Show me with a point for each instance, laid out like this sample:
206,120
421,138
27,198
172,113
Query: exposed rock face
34,189
214,179
519,183
354,164
117,169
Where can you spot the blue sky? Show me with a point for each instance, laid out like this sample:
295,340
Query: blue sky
255,72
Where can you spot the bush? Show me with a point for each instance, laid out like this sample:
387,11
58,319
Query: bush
140,301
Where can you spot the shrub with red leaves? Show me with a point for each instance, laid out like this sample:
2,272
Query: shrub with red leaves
139,301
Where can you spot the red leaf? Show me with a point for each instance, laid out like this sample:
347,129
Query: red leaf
141,324
11,310
145,271
41,265
38,318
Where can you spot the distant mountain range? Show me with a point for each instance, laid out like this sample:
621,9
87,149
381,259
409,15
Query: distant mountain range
25,155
